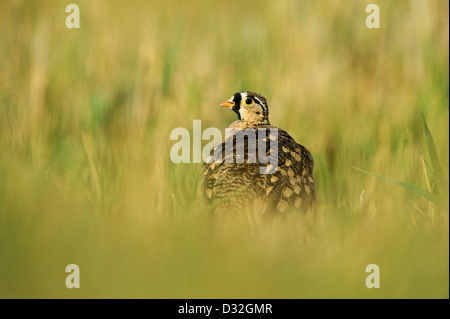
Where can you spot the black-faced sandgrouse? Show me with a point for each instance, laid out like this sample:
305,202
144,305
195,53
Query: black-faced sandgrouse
243,180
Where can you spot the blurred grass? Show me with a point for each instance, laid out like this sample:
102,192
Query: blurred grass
85,173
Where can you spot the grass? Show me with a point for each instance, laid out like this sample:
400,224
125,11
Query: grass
437,193
85,172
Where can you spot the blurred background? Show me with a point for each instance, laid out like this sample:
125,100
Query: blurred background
85,171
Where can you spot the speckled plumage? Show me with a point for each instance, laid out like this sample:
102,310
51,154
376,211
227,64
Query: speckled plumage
235,187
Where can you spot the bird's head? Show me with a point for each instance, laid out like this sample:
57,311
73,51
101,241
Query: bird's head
250,107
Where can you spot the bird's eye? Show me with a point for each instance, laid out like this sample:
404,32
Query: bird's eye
248,101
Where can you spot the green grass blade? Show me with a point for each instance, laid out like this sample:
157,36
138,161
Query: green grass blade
437,170
429,168
411,187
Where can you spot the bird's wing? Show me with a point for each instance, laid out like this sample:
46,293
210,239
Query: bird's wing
293,183
288,184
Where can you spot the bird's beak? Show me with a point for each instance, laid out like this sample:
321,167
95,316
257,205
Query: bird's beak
227,104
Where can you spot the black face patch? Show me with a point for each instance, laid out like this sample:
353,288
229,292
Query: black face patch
237,104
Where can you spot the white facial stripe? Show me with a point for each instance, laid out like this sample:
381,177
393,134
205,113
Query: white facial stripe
261,103
244,96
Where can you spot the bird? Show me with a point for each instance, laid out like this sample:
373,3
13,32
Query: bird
235,183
